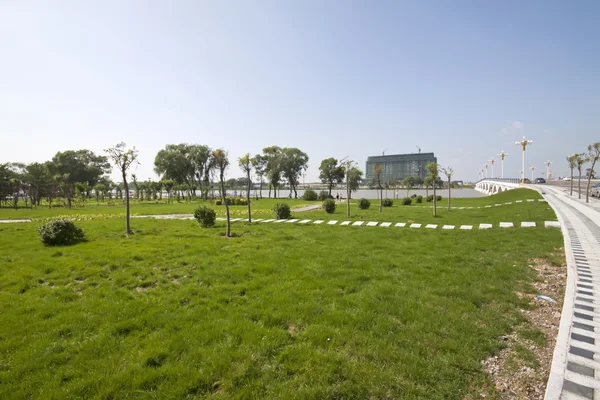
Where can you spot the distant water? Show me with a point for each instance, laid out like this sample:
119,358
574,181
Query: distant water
369,194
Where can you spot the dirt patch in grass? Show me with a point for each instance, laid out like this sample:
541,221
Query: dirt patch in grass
521,369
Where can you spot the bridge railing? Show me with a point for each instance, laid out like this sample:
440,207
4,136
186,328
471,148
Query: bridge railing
507,180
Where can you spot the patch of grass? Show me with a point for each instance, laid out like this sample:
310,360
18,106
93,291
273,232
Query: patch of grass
284,311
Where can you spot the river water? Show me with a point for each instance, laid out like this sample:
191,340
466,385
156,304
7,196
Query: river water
369,194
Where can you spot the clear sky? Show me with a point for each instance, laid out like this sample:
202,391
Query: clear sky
464,79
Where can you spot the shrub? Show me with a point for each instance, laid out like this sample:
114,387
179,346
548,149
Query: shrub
205,216
219,202
60,232
430,198
282,211
324,195
419,199
414,196
407,201
364,204
388,202
438,198
310,195
329,206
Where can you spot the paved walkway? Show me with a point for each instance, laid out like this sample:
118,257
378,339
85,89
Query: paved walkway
576,362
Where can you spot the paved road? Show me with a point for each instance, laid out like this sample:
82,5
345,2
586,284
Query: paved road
576,362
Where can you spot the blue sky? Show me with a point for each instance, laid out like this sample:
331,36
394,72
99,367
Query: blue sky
464,79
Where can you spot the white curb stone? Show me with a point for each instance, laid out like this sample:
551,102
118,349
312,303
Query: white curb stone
385,224
400,224
304,221
466,227
430,226
506,225
358,223
372,223
527,224
448,227
291,221
415,225
552,224
346,223
319,222
485,226
332,222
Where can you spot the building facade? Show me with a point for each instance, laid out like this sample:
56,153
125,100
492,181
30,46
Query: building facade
399,166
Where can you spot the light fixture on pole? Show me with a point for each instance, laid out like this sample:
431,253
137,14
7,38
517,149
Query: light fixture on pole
492,161
486,168
523,143
548,169
532,169
502,155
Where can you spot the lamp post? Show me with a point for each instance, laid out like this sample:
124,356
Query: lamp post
492,161
523,143
548,169
532,169
502,155
486,169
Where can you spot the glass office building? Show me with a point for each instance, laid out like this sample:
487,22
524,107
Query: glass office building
399,166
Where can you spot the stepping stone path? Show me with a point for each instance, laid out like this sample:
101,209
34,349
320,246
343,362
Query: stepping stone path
358,223
280,221
235,219
518,201
430,226
304,221
530,200
268,220
506,225
291,221
466,227
415,225
319,222
372,223
552,224
346,223
385,224
448,227
527,224
400,224
332,222
485,226
258,220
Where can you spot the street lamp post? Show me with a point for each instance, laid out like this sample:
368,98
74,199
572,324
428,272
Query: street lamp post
492,161
548,169
502,155
486,169
523,143
532,169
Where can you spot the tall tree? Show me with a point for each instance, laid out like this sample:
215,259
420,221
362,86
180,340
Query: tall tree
273,170
38,176
593,156
433,170
331,173
123,159
221,162
294,162
572,160
259,163
449,172
580,161
378,169
245,163
409,183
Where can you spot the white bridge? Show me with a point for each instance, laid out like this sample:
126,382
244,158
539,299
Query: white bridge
493,186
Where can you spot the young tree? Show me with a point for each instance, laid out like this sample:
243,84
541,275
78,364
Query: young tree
428,181
449,172
572,160
433,170
123,159
245,164
409,183
259,163
273,169
378,169
580,160
353,176
331,173
593,156
221,162
293,163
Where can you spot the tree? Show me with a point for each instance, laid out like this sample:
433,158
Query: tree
259,163
378,169
409,183
245,164
449,172
123,159
593,156
572,160
78,166
38,176
331,173
273,155
168,184
428,181
221,162
580,160
433,170
393,183
293,163
353,176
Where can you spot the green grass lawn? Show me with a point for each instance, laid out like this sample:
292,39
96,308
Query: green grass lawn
279,312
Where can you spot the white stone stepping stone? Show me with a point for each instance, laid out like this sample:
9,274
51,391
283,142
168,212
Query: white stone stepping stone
506,225
466,227
280,221
258,220
220,219
431,226
400,224
485,226
497,205
527,224
319,222
488,206
415,225
235,219
552,224
332,222
385,224
291,221
305,221
372,223
530,200
542,200
448,227
461,208
358,223
518,201
510,202
346,223
468,208
268,220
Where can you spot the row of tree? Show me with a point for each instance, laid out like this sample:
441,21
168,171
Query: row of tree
578,161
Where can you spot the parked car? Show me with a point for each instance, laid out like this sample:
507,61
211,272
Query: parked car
540,180
596,190
526,180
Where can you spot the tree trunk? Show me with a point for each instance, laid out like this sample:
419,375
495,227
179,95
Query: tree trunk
228,233
248,198
434,202
587,190
270,190
380,198
330,187
449,194
261,183
579,184
126,185
571,181
347,198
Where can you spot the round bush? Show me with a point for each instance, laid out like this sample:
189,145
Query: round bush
407,201
60,232
438,198
310,195
430,198
324,195
329,206
388,202
419,199
414,196
205,216
282,211
364,204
